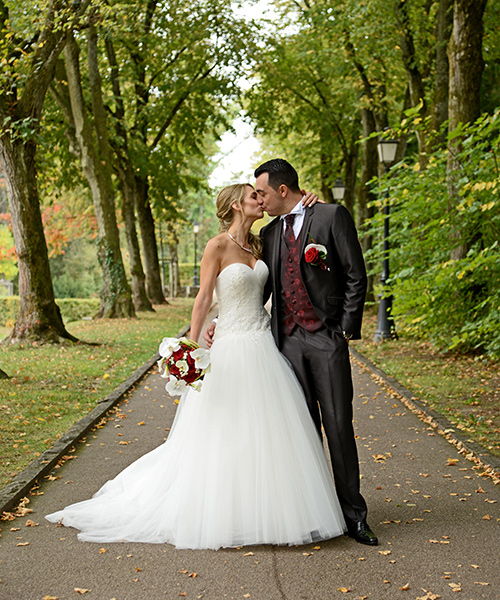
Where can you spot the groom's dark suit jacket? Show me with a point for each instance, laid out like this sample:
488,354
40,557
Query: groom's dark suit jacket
337,295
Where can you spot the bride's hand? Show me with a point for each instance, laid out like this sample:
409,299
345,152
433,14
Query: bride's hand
310,198
209,334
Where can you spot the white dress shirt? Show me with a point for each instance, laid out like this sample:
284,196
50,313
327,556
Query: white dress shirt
299,211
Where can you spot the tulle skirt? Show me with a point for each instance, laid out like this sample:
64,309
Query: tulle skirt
243,465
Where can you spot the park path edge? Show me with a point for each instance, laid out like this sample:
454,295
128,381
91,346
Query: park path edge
26,479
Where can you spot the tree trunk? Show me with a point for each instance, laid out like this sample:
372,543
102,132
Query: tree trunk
39,318
174,275
127,189
444,23
350,168
148,236
366,197
3,375
116,298
414,76
21,105
126,179
466,68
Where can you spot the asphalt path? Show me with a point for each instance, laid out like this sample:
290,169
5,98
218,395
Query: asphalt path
436,515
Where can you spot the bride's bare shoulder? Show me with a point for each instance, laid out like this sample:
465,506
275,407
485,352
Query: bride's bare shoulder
216,246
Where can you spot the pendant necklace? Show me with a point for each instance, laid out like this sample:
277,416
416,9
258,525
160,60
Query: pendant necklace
236,242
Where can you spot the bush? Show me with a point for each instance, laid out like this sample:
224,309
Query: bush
452,302
72,309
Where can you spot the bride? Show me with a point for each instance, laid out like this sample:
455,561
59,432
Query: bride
243,463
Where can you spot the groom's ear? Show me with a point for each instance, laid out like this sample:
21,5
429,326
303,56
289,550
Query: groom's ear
283,190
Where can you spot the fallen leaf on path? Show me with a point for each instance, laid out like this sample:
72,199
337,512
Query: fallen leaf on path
475,566
481,583
307,553
384,552
50,598
81,590
405,587
486,518
192,575
23,544
248,554
344,590
102,550
138,569
30,523
452,462
429,596
480,490
456,587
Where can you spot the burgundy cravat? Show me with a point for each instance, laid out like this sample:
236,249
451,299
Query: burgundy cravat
289,235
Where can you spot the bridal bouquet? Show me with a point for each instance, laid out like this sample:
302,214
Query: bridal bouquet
184,363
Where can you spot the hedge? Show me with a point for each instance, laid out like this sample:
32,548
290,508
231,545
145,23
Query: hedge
72,309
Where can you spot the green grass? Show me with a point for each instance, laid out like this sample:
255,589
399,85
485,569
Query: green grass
51,387
463,388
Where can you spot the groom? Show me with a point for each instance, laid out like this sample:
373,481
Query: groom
317,307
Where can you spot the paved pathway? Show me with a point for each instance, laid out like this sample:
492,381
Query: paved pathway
437,519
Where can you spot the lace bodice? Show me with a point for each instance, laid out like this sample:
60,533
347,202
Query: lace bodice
239,290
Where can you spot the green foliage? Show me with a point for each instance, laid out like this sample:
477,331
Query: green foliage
453,302
72,309
76,273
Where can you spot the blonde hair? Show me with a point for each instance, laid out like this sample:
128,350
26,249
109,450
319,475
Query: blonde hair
225,212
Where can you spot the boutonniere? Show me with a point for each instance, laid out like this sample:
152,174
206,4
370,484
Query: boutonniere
315,255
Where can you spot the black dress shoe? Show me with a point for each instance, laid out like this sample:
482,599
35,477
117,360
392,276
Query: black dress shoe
362,533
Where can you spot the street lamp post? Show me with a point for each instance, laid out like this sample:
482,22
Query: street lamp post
196,229
386,328
338,190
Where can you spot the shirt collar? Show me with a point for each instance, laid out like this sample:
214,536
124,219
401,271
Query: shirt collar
298,209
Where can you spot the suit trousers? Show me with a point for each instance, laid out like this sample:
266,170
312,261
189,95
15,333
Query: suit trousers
321,363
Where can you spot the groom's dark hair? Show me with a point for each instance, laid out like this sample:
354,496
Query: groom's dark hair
280,172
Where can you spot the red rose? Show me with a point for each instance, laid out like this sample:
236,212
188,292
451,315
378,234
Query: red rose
312,255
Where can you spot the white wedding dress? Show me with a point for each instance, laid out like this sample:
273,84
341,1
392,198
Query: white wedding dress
243,463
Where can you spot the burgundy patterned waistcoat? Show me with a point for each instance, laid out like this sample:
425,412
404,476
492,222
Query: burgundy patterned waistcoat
296,309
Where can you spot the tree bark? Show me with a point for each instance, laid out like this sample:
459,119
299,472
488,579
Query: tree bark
127,184
128,193
366,197
39,318
444,23
148,237
414,76
116,298
466,68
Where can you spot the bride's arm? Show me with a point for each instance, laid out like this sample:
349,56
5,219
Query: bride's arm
209,269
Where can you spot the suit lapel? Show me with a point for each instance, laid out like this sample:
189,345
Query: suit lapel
304,233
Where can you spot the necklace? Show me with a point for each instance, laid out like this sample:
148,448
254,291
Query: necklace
236,242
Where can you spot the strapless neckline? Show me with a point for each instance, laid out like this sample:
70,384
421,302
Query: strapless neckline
241,263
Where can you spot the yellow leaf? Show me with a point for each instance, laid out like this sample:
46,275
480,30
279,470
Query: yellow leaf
30,523
81,590
405,587
248,554
344,590
23,544
481,583
384,552
46,597
102,550
141,423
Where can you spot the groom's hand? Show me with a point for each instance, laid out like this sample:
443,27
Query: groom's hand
209,335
